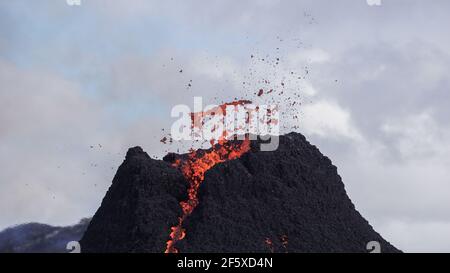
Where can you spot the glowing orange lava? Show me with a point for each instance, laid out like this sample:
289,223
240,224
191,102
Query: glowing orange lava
194,169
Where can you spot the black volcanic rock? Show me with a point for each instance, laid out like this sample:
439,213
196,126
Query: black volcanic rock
139,208
288,200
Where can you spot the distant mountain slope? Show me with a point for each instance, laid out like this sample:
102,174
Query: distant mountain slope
40,238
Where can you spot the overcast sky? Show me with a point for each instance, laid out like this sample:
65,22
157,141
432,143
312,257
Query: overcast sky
79,85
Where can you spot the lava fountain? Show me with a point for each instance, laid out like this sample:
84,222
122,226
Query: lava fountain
194,168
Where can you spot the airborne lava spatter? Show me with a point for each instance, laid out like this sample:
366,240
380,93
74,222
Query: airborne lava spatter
195,167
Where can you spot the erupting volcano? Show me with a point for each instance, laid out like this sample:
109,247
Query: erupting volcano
233,197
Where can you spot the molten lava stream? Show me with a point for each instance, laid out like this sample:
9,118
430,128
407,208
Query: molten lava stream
194,169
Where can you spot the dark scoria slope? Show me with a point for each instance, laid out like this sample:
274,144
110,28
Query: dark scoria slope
139,208
293,196
288,200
